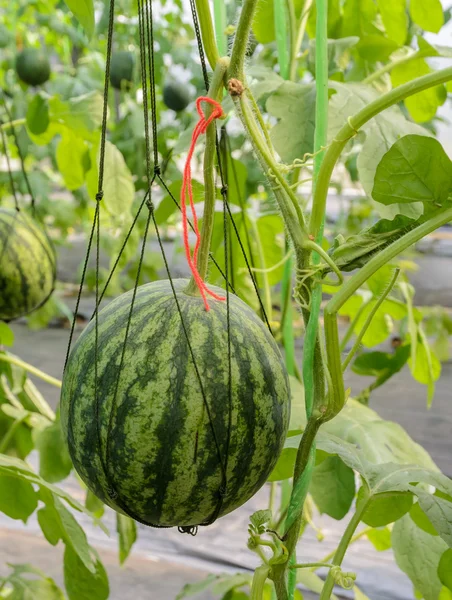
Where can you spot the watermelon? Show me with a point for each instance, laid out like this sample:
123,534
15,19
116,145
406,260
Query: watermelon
33,66
147,447
27,264
176,96
121,69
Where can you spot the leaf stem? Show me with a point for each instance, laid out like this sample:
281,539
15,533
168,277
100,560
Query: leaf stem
299,38
369,319
342,548
312,565
350,129
280,20
11,124
207,32
349,333
31,369
219,14
355,538
395,63
241,39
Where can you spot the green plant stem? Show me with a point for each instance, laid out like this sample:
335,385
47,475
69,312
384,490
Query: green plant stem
261,122
342,548
219,14
286,319
354,123
392,65
31,369
369,319
10,433
349,333
242,35
263,271
291,211
215,89
280,20
355,538
207,32
11,124
258,584
299,38
313,565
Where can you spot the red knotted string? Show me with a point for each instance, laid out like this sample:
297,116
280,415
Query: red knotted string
200,128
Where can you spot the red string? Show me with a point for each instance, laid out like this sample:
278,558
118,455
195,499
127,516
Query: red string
200,128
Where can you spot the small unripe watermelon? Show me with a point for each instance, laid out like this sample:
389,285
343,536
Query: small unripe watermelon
121,69
147,447
27,264
5,36
176,96
33,66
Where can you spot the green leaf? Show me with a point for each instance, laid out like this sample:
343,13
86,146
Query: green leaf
6,335
426,168
333,487
439,513
50,524
36,588
82,584
445,569
382,511
191,589
83,10
422,106
421,519
428,15
358,17
311,581
54,461
376,48
70,154
127,532
18,500
73,535
425,366
395,20
260,518
119,190
445,594
93,504
380,539
381,365
294,105
38,115
263,80
359,595
418,554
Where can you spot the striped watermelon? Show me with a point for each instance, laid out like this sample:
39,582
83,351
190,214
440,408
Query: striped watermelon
152,453
27,264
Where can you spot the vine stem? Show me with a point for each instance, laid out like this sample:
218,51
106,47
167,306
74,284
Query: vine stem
241,39
355,122
395,63
219,13
31,369
342,548
299,38
207,32
215,90
11,124
355,538
312,565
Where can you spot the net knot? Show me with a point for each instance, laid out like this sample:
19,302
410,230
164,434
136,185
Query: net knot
150,205
224,190
201,127
157,170
99,196
190,529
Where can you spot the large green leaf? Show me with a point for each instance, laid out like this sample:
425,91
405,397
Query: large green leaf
18,500
358,18
376,48
83,10
333,487
54,461
445,569
6,335
127,532
264,22
395,20
418,554
81,583
426,169
83,113
428,15
70,154
383,510
380,538
30,583
294,105
422,106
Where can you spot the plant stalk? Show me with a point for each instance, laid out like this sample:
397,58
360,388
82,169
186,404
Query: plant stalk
342,549
242,35
31,369
299,38
207,32
219,14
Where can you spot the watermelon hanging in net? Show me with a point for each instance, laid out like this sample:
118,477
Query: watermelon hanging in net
169,440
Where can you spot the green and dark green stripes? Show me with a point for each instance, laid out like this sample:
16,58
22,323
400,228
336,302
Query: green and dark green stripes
27,264
146,444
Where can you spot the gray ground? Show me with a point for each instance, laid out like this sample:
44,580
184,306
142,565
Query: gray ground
163,561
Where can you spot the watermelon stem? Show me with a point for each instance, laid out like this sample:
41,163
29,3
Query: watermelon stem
9,358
